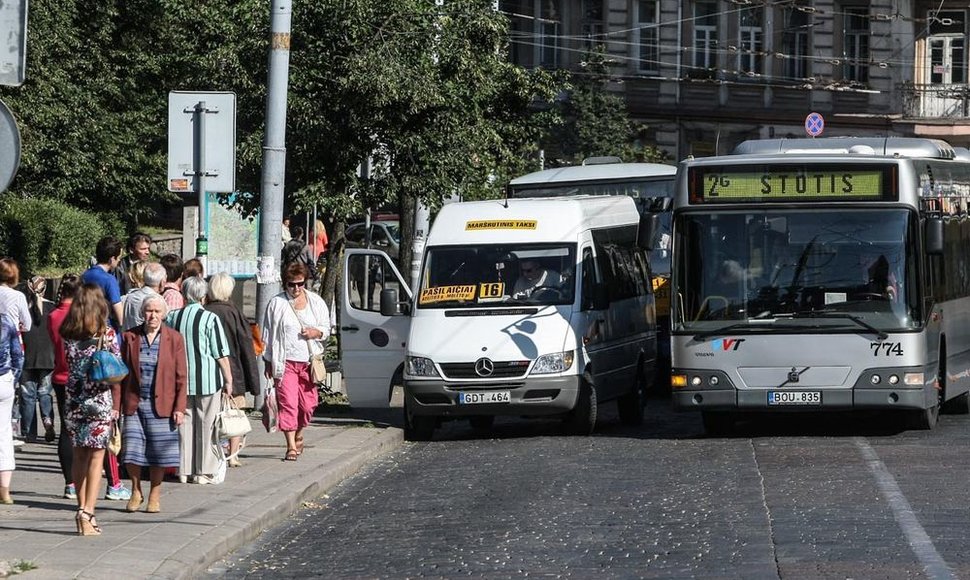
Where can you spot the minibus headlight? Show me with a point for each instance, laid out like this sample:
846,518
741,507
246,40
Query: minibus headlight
558,362
418,366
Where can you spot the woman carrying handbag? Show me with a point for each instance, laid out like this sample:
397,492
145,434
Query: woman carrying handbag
90,404
295,326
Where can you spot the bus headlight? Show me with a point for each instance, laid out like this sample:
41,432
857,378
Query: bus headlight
913,379
418,366
557,362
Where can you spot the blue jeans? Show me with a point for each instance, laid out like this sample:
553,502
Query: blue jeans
35,386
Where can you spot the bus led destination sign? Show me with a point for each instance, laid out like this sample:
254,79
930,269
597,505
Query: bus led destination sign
741,184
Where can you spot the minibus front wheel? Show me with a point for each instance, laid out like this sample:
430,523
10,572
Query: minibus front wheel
582,419
418,427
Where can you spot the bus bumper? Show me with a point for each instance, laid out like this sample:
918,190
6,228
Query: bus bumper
737,400
529,397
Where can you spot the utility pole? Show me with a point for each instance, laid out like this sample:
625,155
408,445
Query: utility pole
274,157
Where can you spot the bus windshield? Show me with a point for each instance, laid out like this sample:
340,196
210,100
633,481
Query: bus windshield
817,269
498,275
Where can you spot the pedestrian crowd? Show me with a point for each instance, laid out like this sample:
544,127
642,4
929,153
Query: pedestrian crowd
190,355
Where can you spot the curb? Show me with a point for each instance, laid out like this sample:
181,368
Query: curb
194,560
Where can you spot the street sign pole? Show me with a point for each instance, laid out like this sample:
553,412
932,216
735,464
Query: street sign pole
201,242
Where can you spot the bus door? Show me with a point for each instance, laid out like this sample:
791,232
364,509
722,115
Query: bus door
372,345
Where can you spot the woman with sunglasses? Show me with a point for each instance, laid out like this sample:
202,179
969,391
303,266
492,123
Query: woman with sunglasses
295,327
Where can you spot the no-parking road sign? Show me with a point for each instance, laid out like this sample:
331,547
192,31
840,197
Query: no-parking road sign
814,124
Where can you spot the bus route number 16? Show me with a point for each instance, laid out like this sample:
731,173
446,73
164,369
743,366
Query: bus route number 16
886,348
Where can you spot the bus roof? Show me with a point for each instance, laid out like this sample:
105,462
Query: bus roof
862,146
552,219
575,173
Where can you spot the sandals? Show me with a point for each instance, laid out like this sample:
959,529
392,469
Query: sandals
291,455
86,524
299,446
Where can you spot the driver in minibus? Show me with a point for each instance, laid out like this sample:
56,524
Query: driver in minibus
533,276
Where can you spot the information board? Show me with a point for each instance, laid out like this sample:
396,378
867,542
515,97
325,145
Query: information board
785,183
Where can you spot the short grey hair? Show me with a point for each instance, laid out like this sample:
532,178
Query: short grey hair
221,286
154,275
194,289
156,298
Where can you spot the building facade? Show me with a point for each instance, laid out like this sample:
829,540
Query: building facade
705,75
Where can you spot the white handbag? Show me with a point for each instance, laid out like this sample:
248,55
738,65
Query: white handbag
232,420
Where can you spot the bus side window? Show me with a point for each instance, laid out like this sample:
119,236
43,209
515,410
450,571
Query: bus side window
588,279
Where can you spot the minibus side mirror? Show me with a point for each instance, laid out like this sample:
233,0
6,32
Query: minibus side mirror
390,306
647,230
601,297
934,236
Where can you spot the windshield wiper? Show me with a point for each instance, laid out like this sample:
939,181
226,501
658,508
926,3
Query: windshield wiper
746,325
880,334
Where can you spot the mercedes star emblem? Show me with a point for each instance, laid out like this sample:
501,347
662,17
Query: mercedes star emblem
484,367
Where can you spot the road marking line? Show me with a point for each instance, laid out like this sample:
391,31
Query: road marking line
920,542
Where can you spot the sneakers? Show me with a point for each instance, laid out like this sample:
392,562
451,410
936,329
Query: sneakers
49,431
18,442
70,492
120,492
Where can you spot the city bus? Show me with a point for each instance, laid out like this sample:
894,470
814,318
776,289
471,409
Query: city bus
651,185
824,274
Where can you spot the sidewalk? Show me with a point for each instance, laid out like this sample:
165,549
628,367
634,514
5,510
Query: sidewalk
198,524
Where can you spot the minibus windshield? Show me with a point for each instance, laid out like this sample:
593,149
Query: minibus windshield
498,275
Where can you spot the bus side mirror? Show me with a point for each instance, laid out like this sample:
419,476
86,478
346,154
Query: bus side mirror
601,297
647,230
390,305
934,236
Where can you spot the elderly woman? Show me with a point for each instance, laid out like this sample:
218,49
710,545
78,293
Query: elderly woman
295,326
90,405
242,361
153,401
208,375
11,364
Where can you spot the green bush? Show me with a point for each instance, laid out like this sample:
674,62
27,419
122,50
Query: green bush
49,236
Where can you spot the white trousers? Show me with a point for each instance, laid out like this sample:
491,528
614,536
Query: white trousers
7,462
195,436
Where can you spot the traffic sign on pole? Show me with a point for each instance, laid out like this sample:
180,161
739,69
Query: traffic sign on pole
814,124
13,42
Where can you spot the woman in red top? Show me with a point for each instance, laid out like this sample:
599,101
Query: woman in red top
68,287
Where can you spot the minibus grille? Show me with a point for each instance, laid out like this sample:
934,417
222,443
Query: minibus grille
501,370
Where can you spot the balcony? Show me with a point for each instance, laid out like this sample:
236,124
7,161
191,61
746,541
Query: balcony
936,101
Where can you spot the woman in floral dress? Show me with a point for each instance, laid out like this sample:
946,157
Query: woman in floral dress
89,405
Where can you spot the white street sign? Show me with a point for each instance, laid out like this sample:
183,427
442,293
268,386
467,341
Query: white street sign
13,42
220,141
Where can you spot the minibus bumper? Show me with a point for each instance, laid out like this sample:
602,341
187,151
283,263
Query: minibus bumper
526,397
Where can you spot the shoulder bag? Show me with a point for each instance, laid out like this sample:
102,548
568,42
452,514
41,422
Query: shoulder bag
232,420
114,444
106,366
318,370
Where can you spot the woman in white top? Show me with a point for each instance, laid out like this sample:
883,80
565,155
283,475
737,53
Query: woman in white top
13,303
295,327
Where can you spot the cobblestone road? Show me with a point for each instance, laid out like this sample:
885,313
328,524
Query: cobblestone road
800,496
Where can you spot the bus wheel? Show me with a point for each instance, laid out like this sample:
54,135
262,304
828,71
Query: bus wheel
718,423
630,406
418,427
582,419
482,423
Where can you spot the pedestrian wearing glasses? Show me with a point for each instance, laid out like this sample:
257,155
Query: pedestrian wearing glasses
295,327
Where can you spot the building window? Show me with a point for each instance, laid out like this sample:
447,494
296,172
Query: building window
794,44
856,44
750,40
593,24
548,25
647,21
705,37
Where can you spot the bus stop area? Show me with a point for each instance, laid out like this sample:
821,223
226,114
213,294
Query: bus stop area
198,524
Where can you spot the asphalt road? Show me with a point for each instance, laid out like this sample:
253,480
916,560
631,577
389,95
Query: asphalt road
796,496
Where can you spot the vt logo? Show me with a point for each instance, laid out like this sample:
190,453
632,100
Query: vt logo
726,344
